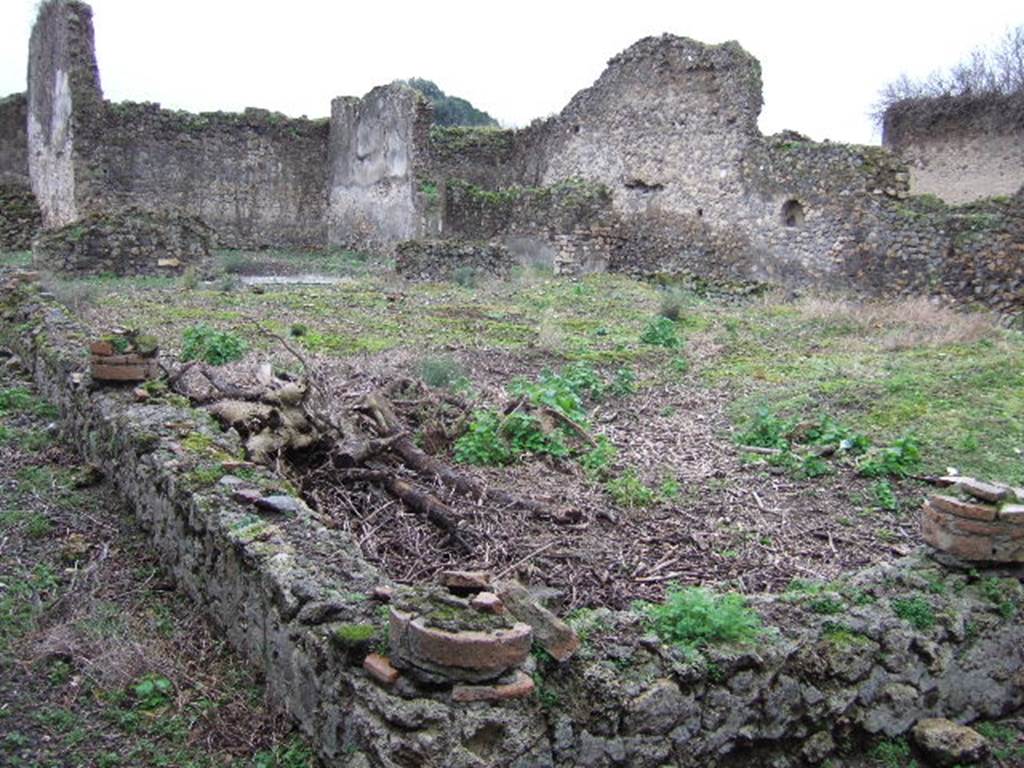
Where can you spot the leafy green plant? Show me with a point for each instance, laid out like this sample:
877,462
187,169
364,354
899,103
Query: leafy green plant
629,490
624,382
766,430
826,604
994,590
885,496
916,611
494,440
694,617
892,754
897,460
152,692
597,462
661,332
201,342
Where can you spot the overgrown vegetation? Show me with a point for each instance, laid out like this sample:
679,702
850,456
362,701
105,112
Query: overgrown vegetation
693,618
201,342
450,110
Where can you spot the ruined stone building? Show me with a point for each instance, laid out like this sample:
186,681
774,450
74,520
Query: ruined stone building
657,169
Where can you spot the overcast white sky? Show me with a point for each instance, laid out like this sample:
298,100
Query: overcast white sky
823,62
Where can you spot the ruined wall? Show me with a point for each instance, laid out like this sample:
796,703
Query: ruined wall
378,150
20,218
257,178
125,242
63,94
14,139
960,148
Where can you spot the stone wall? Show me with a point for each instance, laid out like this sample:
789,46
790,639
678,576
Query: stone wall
294,597
257,178
377,146
960,148
14,140
126,242
20,218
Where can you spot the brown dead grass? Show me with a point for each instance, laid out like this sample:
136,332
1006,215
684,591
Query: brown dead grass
906,323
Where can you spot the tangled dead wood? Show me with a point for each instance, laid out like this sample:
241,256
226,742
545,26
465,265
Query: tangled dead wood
285,420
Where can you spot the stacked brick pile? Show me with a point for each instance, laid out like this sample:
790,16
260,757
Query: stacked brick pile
136,362
476,636
976,521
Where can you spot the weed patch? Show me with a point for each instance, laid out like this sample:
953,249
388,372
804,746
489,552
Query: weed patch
693,618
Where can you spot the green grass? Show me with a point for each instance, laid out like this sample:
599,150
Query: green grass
879,372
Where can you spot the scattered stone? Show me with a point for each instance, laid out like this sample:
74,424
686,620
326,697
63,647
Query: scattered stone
487,602
379,668
232,466
521,687
818,747
168,263
963,508
382,593
280,504
554,635
469,581
247,496
230,481
140,394
948,743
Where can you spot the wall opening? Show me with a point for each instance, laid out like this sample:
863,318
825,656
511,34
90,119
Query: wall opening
792,213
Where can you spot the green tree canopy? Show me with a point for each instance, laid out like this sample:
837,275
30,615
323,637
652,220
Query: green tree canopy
449,110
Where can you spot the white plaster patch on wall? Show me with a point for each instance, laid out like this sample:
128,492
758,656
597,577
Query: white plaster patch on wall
51,160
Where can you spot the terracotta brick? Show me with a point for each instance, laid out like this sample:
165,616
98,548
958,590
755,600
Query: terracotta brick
1012,514
554,635
960,508
120,372
465,580
984,491
487,602
379,668
519,688
495,650
102,348
120,360
935,532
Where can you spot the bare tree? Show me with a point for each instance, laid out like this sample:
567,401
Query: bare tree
996,72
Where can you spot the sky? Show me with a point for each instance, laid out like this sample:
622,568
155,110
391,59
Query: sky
822,62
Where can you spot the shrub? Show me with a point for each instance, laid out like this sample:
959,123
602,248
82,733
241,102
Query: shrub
694,617
201,342
885,497
442,372
624,382
661,332
464,276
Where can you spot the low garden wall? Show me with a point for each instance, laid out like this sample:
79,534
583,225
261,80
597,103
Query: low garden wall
836,663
